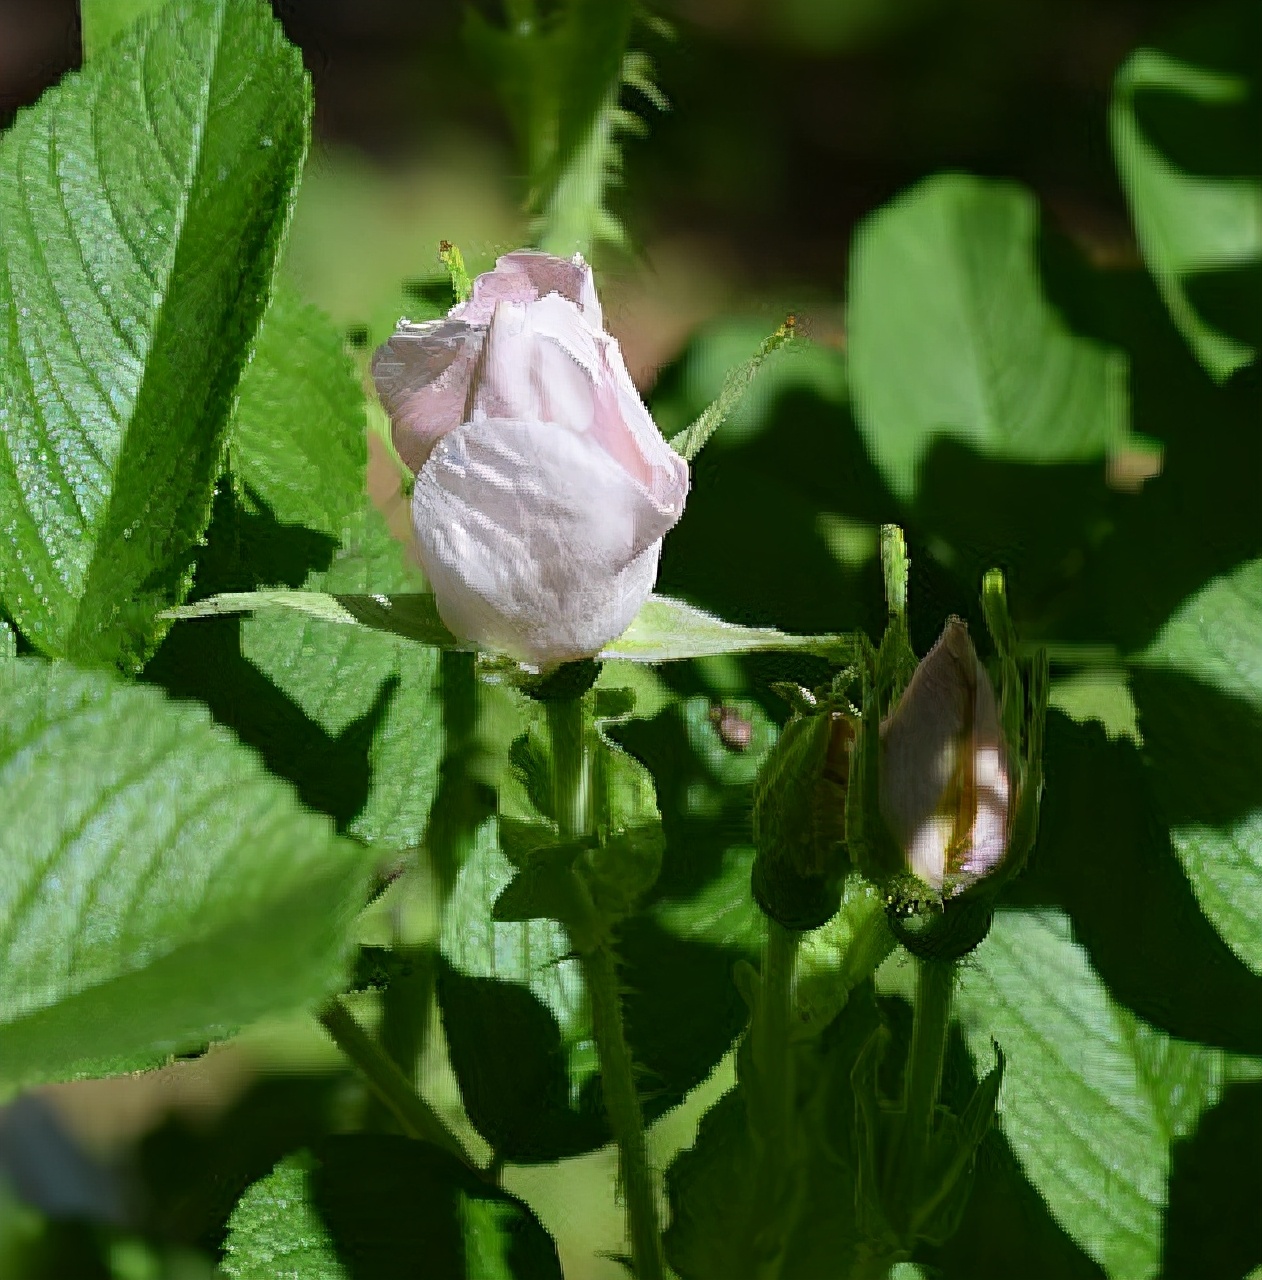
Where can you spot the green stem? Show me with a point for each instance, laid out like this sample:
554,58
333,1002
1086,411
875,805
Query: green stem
622,1103
572,792
771,1096
771,1029
935,983
579,812
415,1116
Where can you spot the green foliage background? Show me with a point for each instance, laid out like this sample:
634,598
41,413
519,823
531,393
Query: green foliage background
1028,333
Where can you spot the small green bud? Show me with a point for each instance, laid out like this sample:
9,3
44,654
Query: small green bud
799,819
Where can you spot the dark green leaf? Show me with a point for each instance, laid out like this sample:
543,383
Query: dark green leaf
1185,139
950,335
144,202
160,888
1199,692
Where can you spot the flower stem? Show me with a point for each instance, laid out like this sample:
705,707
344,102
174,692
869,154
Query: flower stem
579,811
415,1116
935,983
772,1051
622,1103
771,1097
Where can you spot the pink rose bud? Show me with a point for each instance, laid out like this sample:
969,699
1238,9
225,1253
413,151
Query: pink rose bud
945,789
543,487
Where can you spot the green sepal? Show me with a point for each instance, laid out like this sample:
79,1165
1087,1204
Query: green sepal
933,928
799,819
909,1202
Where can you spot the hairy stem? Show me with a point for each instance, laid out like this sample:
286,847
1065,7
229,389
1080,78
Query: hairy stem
579,811
622,1103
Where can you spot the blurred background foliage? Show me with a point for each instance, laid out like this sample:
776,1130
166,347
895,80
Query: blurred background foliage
754,143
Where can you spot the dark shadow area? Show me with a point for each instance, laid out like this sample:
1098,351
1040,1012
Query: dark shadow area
1038,523
1216,1180
1230,300
507,1053
201,659
681,1008
1202,748
695,841
1104,855
398,1208
1006,1229
751,548
1200,516
191,1171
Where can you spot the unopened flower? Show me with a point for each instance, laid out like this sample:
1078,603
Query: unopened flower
543,488
799,819
946,776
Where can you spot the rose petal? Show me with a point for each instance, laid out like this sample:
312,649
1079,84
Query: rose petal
422,374
944,779
536,542
526,276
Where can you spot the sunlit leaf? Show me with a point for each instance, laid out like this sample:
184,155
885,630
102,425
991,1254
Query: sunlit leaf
144,202
160,888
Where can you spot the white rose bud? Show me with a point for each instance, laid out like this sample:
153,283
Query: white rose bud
543,487
945,774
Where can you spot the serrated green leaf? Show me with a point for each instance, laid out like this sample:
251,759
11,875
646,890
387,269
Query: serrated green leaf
136,271
103,21
376,1205
160,889
950,336
1092,1099
298,440
1194,221
342,676
1213,637
276,1230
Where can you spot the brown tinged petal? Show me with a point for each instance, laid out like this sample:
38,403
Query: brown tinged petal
945,776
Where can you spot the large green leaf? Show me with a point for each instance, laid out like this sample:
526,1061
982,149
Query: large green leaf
1092,1098
1206,736
372,1205
343,677
160,889
103,21
299,444
144,203
950,335
1185,141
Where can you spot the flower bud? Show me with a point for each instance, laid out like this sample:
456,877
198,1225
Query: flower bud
800,820
543,488
946,786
